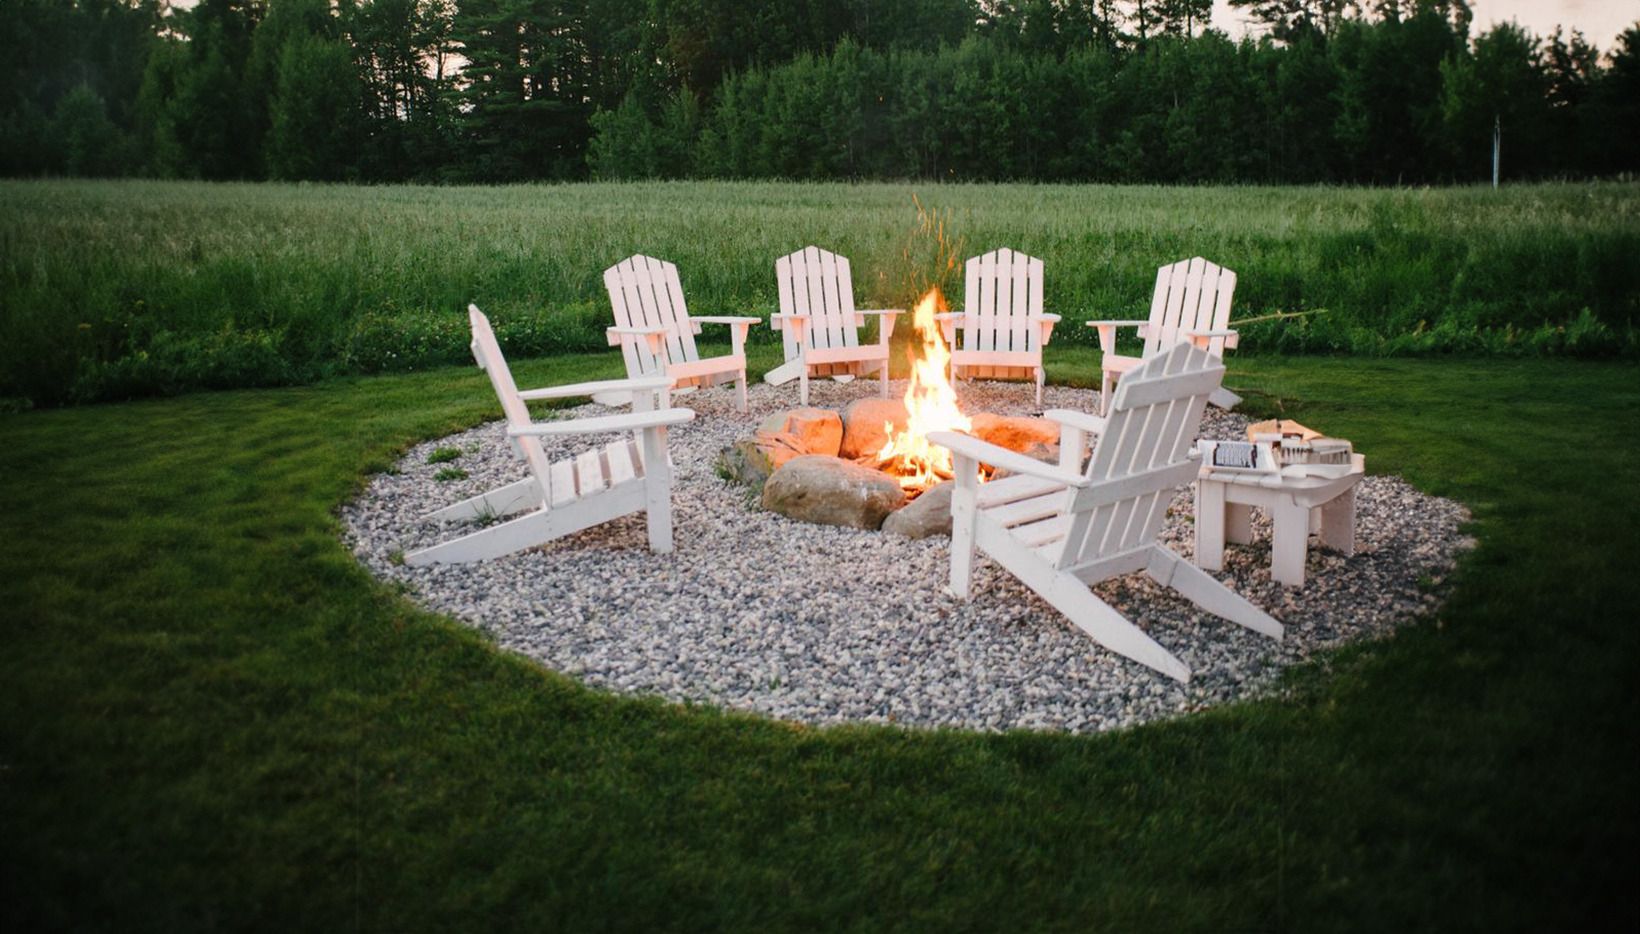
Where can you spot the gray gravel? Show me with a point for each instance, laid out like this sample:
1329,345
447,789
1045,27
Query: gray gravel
827,625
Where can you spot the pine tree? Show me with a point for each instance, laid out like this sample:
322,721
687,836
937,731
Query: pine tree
525,89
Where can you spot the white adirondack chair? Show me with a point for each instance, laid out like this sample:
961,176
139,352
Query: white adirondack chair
1191,301
656,333
630,474
820,325
1001,329
1059,528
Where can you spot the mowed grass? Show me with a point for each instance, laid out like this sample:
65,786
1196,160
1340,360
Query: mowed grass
113,290
211,717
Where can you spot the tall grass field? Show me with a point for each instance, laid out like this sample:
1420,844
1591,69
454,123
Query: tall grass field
113,290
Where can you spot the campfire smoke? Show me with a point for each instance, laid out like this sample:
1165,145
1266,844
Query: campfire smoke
930,404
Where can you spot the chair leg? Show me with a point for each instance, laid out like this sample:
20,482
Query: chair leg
514,497
1041,378
803,387
492,542
1202,589
964,517
1224,399
1071,596
657,490
1102,623
740,390
882,377
1105,385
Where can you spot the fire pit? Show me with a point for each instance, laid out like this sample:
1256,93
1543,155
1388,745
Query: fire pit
830,624
869,465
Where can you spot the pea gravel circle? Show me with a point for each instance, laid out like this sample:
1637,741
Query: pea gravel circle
824,625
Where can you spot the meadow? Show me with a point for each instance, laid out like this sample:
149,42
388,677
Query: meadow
113,290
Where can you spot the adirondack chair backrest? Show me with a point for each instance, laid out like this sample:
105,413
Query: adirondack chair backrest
817,283
645,293
1002,300
1142,456
1192,294
488,354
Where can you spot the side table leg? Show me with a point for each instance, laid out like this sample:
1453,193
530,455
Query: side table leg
1338,523
1210,511
1239,519
1290,541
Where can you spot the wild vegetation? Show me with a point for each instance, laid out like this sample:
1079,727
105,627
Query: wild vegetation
1343,91
120,289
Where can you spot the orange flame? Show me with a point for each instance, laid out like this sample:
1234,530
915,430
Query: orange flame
930,404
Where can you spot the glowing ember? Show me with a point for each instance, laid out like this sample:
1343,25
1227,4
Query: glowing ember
930,402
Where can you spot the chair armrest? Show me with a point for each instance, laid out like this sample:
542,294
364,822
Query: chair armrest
634,421
739,327
972,448
885,321
1107,332
1047,322
726,319
1092,424
641,384
1230,335
615,334
793,322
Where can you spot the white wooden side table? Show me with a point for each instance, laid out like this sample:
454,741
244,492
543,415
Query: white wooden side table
1298,503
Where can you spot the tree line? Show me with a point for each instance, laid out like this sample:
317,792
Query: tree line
1387,91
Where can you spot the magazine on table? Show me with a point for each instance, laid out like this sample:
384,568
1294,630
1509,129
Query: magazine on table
1250,457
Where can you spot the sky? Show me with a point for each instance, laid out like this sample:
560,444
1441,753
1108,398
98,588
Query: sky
1600,20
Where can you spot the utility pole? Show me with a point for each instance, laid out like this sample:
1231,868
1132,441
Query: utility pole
1497,146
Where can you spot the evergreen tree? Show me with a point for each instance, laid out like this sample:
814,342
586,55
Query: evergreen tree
623,142
1389,125
88,142
213,116
1501,84
1615,105
1290,19
314,111
1573,70
525,93
405,50
94,50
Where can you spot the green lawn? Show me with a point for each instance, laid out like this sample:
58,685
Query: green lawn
211,717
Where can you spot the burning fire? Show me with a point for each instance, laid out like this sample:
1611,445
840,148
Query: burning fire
930,403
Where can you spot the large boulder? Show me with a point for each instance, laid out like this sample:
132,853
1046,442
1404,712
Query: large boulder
863,421
1014,432
832,491
807,431
748,462
780,438
928,514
